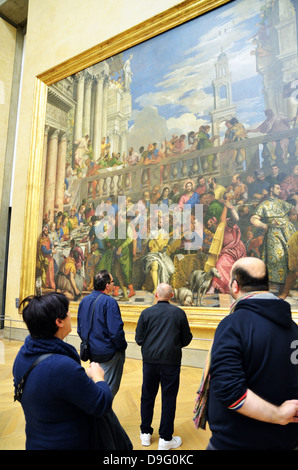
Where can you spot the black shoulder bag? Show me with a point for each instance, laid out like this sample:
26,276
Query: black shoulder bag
85,347
21,385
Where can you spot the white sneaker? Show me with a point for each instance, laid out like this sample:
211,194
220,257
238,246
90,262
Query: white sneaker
175,442
145,439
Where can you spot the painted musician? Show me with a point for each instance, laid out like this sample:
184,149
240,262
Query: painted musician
157,263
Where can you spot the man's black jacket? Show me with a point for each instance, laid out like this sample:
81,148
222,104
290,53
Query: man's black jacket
162,331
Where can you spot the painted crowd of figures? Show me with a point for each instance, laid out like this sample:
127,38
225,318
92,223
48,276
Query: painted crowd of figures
255,215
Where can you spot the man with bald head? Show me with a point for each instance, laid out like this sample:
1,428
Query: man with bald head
253,395
162,331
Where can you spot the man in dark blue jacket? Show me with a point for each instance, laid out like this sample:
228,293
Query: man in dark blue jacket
253,397
107,339
162,331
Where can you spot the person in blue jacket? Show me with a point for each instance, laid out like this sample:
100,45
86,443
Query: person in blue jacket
253,395
59,396
107,339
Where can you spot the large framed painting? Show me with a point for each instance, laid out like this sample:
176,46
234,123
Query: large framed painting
166,154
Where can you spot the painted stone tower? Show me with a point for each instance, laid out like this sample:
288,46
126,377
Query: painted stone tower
223,102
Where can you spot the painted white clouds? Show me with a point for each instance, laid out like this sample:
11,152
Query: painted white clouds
187,85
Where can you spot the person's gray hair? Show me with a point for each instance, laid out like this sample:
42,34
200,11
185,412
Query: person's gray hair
164,291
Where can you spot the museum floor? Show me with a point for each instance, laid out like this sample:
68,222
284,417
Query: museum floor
126,405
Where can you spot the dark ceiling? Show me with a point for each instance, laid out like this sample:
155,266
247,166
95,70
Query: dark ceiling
14,12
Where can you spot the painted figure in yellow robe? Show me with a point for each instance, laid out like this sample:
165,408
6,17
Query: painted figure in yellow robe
65,280
236,132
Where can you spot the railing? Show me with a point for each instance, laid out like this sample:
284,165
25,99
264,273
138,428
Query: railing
221,161
9,321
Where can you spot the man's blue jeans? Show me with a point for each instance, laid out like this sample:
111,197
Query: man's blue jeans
168,377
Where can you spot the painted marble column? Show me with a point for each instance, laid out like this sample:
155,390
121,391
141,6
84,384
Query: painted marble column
87,107
43,175
92,107
60,175
105,107
123,146
78,125
98,117
50,178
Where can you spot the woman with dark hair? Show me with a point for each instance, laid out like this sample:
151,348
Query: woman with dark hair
59,396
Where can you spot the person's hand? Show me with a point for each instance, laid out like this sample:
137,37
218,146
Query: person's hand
288,412
95,372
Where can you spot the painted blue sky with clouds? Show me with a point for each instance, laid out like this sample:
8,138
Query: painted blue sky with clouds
172,73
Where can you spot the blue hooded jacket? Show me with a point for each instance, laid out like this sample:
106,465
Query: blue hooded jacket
253,349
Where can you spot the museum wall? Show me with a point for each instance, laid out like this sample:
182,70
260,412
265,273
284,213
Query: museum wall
56,33
7,53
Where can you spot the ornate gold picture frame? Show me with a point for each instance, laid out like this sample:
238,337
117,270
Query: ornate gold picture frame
238,157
